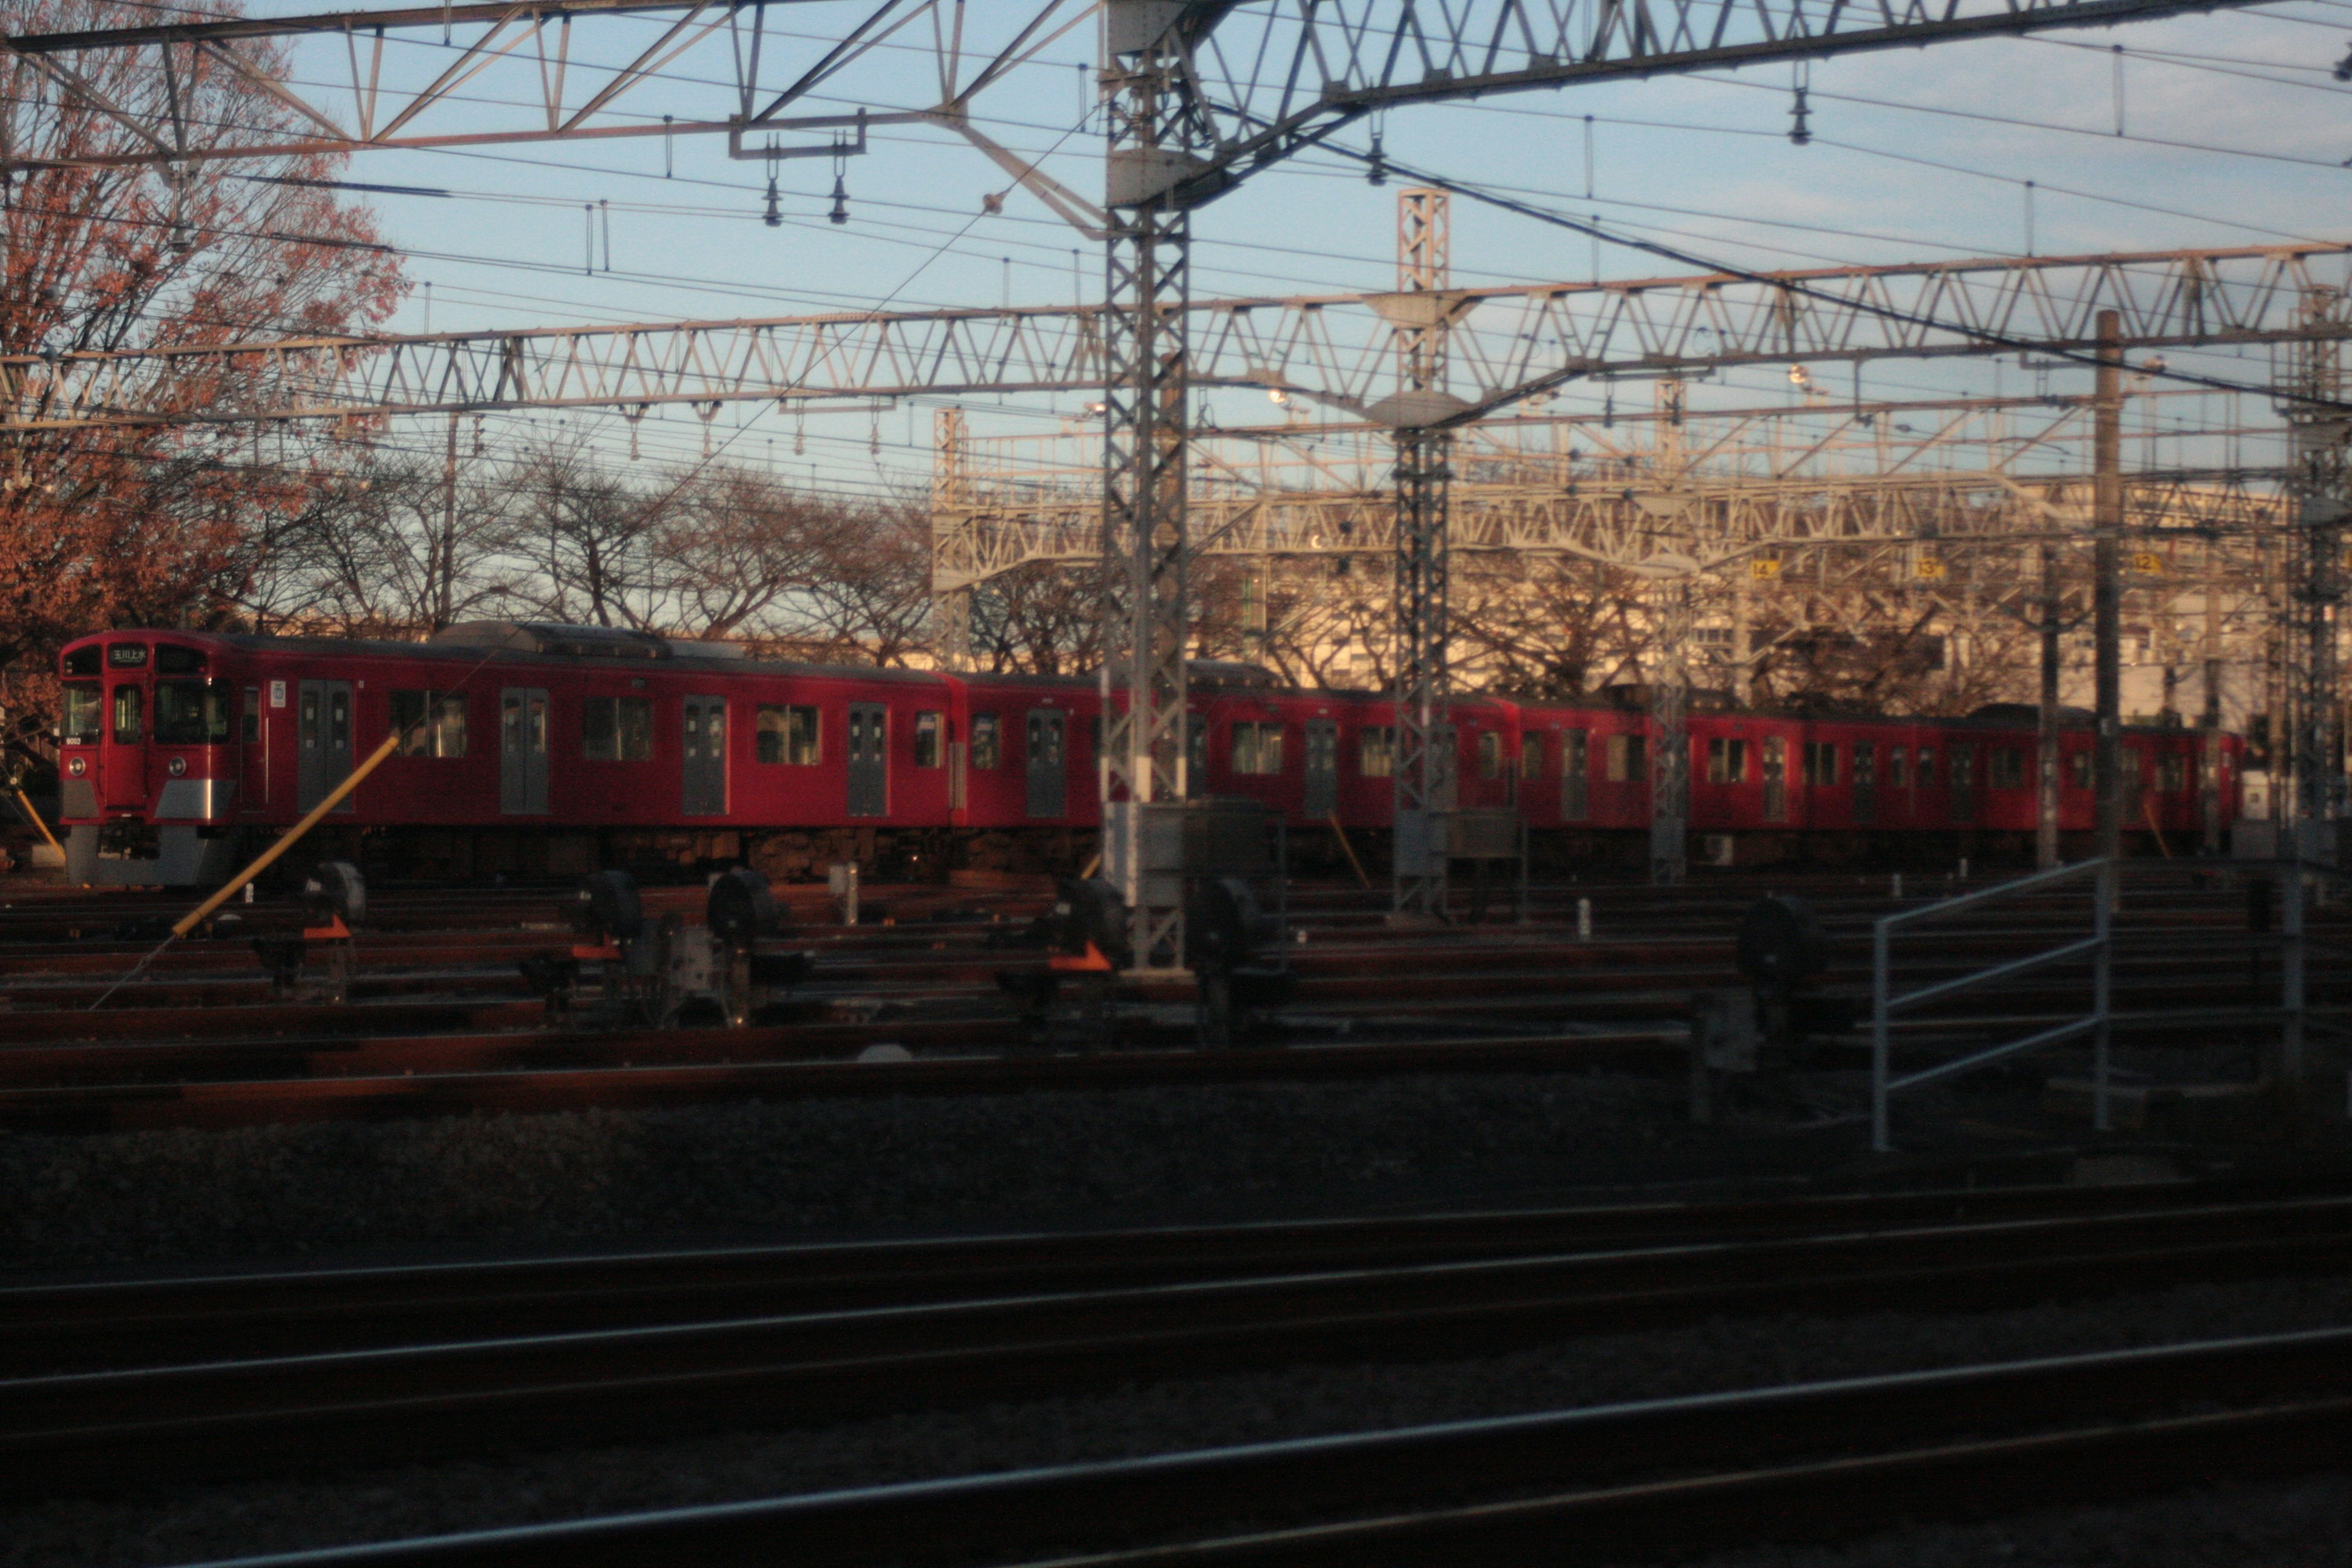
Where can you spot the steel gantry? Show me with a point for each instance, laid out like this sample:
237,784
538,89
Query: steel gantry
1335,352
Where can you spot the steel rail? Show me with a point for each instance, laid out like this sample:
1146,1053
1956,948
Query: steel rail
99,1431
94,1324
1618,1479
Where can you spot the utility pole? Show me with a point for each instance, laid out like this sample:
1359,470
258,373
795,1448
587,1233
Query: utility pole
1670,684
445,591
1423,759
1152,129
949,495
2045,820
2107,569
2209,749
2319,478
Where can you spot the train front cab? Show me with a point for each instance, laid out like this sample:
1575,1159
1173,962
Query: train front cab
150,759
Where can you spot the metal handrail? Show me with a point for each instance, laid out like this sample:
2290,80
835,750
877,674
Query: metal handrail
2099,945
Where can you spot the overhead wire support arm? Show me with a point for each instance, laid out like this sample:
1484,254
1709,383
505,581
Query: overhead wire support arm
1336,350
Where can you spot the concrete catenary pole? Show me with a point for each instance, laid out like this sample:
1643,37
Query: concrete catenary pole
2045,835
2107,567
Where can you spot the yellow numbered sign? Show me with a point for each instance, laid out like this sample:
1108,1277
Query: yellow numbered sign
1764,568
1928,567
2147,564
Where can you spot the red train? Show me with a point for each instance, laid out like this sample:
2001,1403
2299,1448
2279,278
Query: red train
546,750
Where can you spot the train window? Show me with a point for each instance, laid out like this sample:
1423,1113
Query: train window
1376,751
1866,765
1629,758
2078,769
1926,775
431,723
1490,754
616,729
2008,768
1575,774
1820,763
1898,765
788,735
83,661
127,726
987,751
252,715
1196,753
170,660
927,739
1257,748
2131,781
2172,772
191,712
1531,751
1726,760
127,656
84,707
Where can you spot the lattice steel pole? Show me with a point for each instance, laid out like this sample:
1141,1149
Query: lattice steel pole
1670,678
950,511
2320,481
1424,757
1151,129
1670,735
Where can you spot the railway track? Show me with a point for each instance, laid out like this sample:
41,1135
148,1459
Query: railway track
858,1331
1624,1483
190,1046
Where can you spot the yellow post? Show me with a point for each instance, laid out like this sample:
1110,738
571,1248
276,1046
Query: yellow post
268,857
27,802
1341,834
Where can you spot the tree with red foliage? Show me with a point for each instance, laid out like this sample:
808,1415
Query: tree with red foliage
156,525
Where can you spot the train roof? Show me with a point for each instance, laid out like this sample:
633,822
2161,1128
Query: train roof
527,642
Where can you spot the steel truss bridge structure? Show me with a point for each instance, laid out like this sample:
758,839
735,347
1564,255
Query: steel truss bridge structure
1196,96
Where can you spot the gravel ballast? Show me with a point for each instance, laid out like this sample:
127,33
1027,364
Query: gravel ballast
1148,1418
862,1166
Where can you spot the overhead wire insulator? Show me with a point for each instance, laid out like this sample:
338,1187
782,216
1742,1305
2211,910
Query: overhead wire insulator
1800,133
1378,175
775,216
840,212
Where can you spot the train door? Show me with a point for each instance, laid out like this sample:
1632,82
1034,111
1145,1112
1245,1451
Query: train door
523,751
1322,767
705,751
1865,783
322,742
1962,782
254,736
869,759
123,781
1576,775
1776,778
1047,778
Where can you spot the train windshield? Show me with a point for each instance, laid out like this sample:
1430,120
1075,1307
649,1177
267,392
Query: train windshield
85,713
191,712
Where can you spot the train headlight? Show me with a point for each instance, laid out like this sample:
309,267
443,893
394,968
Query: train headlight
78,766
178,767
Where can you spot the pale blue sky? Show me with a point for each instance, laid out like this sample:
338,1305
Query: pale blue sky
1916,154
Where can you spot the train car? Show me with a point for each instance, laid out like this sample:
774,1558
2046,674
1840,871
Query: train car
544,750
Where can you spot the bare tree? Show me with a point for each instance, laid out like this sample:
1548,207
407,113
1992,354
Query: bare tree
155,524
587,542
